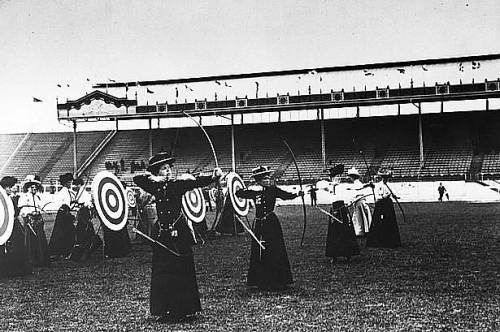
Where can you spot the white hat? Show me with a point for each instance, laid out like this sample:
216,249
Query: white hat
353,171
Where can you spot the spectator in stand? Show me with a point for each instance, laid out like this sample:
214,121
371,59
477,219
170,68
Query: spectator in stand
143,165
442,191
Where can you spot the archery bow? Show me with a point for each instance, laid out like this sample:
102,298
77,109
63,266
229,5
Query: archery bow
300,184
217,165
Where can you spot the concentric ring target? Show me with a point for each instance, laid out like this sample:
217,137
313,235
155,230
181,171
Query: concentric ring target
131,198
193,203
235,183
110,201
6,216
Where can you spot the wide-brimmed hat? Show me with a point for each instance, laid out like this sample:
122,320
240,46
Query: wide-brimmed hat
159,159
32,180
65,178
260,171
353,172
8,181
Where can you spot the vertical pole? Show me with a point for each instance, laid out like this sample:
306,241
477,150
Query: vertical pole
323,145
233,160
420,135
75,149
150,138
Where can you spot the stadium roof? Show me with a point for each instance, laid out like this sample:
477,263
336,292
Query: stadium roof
303,71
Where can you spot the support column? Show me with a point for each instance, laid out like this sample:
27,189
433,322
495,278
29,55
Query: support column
233,160
75,150
323,145
420,135
150,138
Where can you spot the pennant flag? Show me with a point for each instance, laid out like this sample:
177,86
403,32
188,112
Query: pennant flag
188,87
229,86
460,67
217,82
88,79
36,100
321,79
368,74
109,79
424,69
59,85
401,70
67,85
149,91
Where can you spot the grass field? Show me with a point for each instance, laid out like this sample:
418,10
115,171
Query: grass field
445,277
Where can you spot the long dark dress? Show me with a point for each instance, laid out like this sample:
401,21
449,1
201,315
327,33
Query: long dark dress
14,254
227,223
63,235
87,241
174,289
37,240
116,243
384,231
341,238
269,268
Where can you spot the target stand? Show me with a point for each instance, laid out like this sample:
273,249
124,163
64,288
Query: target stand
6,217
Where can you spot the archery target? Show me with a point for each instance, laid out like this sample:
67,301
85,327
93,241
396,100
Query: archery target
6,216
130,198
110,201
193,202
235,183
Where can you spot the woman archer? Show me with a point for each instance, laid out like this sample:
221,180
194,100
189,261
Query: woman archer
269,268
174,289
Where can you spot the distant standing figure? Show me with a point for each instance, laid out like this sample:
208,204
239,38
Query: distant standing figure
442,191
312,192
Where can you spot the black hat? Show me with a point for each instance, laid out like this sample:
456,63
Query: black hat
336,170
260,171
78,182
65,178
32,180
385,173
159,159
8,181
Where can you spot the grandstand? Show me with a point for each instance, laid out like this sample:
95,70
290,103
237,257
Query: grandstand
451,143
366,116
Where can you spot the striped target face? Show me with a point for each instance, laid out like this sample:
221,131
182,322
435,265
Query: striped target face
235,183
6,216
110,201
193,203
130,198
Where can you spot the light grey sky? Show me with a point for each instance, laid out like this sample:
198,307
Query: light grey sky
45,43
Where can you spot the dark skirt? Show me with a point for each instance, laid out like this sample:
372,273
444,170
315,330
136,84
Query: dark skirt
227,223
37,240
116,243
87,241
174,289
341,238
384,231
14,255
269,268
63,235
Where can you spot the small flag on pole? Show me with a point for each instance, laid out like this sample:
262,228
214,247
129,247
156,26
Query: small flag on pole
149,91
109,79
36,100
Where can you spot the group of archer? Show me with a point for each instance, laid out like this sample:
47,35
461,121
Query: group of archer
351,222
73,235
